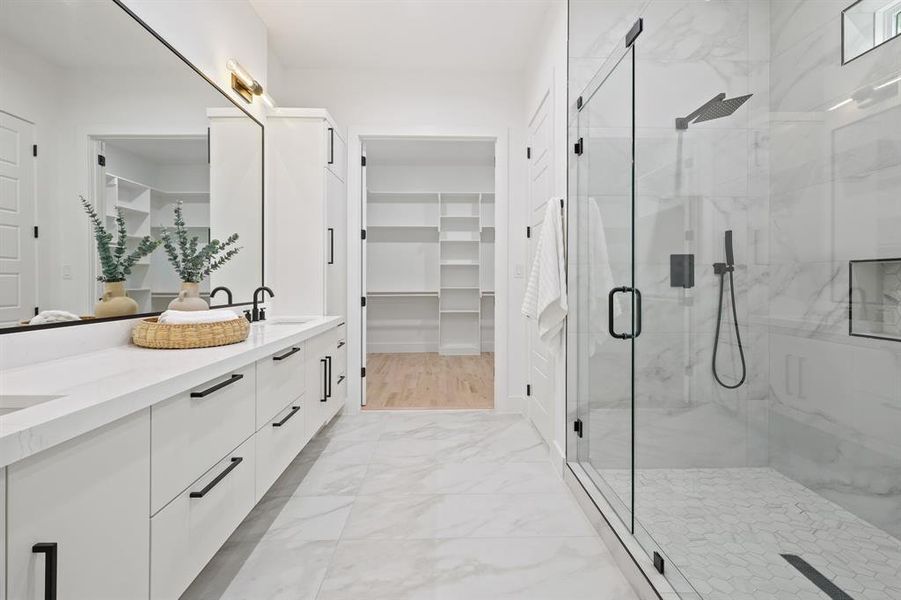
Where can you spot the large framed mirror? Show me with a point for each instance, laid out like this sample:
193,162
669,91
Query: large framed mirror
867,24
100,116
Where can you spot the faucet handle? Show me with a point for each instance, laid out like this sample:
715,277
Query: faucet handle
247,316
262,314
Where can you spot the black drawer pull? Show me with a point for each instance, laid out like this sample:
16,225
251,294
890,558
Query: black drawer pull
236,460
341,344
290,352
324,379
293,412
49,550
328,378
234,378
340,379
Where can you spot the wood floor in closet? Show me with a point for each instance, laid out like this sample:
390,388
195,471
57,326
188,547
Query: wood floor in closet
429,381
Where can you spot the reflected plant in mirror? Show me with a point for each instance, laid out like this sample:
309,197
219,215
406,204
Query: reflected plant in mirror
193,261
867,24
116,262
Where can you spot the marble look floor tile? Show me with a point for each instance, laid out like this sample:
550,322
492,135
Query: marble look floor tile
296,518
438,426
469,516
323,449
271,569
319,478
355,427
462,478
474,569
513,444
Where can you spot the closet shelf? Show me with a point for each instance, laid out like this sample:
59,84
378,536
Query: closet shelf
423,294
459,263
459,311
460,287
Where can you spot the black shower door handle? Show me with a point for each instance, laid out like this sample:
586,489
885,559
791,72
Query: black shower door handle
610,313
49,550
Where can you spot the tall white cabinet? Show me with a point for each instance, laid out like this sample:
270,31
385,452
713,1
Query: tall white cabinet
306,212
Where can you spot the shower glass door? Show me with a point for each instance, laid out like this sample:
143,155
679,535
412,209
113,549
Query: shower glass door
604,273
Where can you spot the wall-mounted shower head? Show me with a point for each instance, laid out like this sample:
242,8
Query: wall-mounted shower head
716,108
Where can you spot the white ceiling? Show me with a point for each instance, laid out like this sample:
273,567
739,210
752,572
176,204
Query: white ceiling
484,35
165,150
413,152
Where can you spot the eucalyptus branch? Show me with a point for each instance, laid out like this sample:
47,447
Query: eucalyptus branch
115,263
191,259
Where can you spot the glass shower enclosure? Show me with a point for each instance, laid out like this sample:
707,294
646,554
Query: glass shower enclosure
734,365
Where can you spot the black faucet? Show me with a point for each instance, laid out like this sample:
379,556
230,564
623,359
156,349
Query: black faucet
222,288
259,314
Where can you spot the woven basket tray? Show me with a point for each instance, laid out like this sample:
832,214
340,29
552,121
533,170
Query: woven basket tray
149,333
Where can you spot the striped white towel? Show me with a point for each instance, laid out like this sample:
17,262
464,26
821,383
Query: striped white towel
545,297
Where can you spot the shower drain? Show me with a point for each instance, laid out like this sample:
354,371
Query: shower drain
817,578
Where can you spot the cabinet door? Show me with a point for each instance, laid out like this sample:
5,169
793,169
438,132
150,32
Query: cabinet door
336,246
335,151
89,496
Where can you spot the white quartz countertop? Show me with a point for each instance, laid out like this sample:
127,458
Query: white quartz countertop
97,388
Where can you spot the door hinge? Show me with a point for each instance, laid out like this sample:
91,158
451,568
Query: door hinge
363,161
101,160
34,150
577,427
363,301
528,232
37,311
528,389
578,147
579,102
362,234
363,372
528,152
35,232
659,563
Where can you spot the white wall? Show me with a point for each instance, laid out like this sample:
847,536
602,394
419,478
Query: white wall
208,33
428,101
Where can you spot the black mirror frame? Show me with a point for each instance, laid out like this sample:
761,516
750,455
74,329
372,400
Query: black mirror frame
162,40
846,60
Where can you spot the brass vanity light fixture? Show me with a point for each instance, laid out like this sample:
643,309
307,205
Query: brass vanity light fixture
246,86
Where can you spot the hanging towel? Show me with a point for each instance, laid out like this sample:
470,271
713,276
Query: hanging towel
545,297
181,317
600,279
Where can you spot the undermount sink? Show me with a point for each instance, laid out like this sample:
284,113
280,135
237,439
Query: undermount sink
13,402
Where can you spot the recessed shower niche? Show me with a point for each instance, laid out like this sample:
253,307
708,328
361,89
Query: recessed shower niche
875,298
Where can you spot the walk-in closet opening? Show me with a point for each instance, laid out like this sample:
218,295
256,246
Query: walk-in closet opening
428,255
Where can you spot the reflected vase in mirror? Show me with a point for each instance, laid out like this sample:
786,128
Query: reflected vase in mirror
115,303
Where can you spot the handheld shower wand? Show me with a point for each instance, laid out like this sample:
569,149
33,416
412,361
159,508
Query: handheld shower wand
722,269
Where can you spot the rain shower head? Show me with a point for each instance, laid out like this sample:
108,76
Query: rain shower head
719,106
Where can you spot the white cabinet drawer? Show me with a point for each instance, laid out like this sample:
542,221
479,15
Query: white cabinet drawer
189,531
278,442
280,381
192,431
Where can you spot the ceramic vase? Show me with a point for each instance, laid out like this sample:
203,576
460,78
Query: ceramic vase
114,302
189,298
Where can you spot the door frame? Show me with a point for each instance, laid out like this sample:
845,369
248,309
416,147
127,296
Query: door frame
355,140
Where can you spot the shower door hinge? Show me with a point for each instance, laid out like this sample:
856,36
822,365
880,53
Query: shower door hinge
363,161
363,301
578,147
363,372
362,234
101,160
528,232
528,389
579,102
35,232
528,152
658,563
34,150
577,427
37,310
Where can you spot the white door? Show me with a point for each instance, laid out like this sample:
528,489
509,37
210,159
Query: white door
363,268
541,364
17,219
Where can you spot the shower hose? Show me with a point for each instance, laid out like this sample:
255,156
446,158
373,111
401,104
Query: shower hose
716,340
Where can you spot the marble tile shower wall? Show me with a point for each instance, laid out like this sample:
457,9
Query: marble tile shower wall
834,196
690,187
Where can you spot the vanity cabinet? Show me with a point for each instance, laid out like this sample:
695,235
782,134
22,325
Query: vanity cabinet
90,497
307,212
